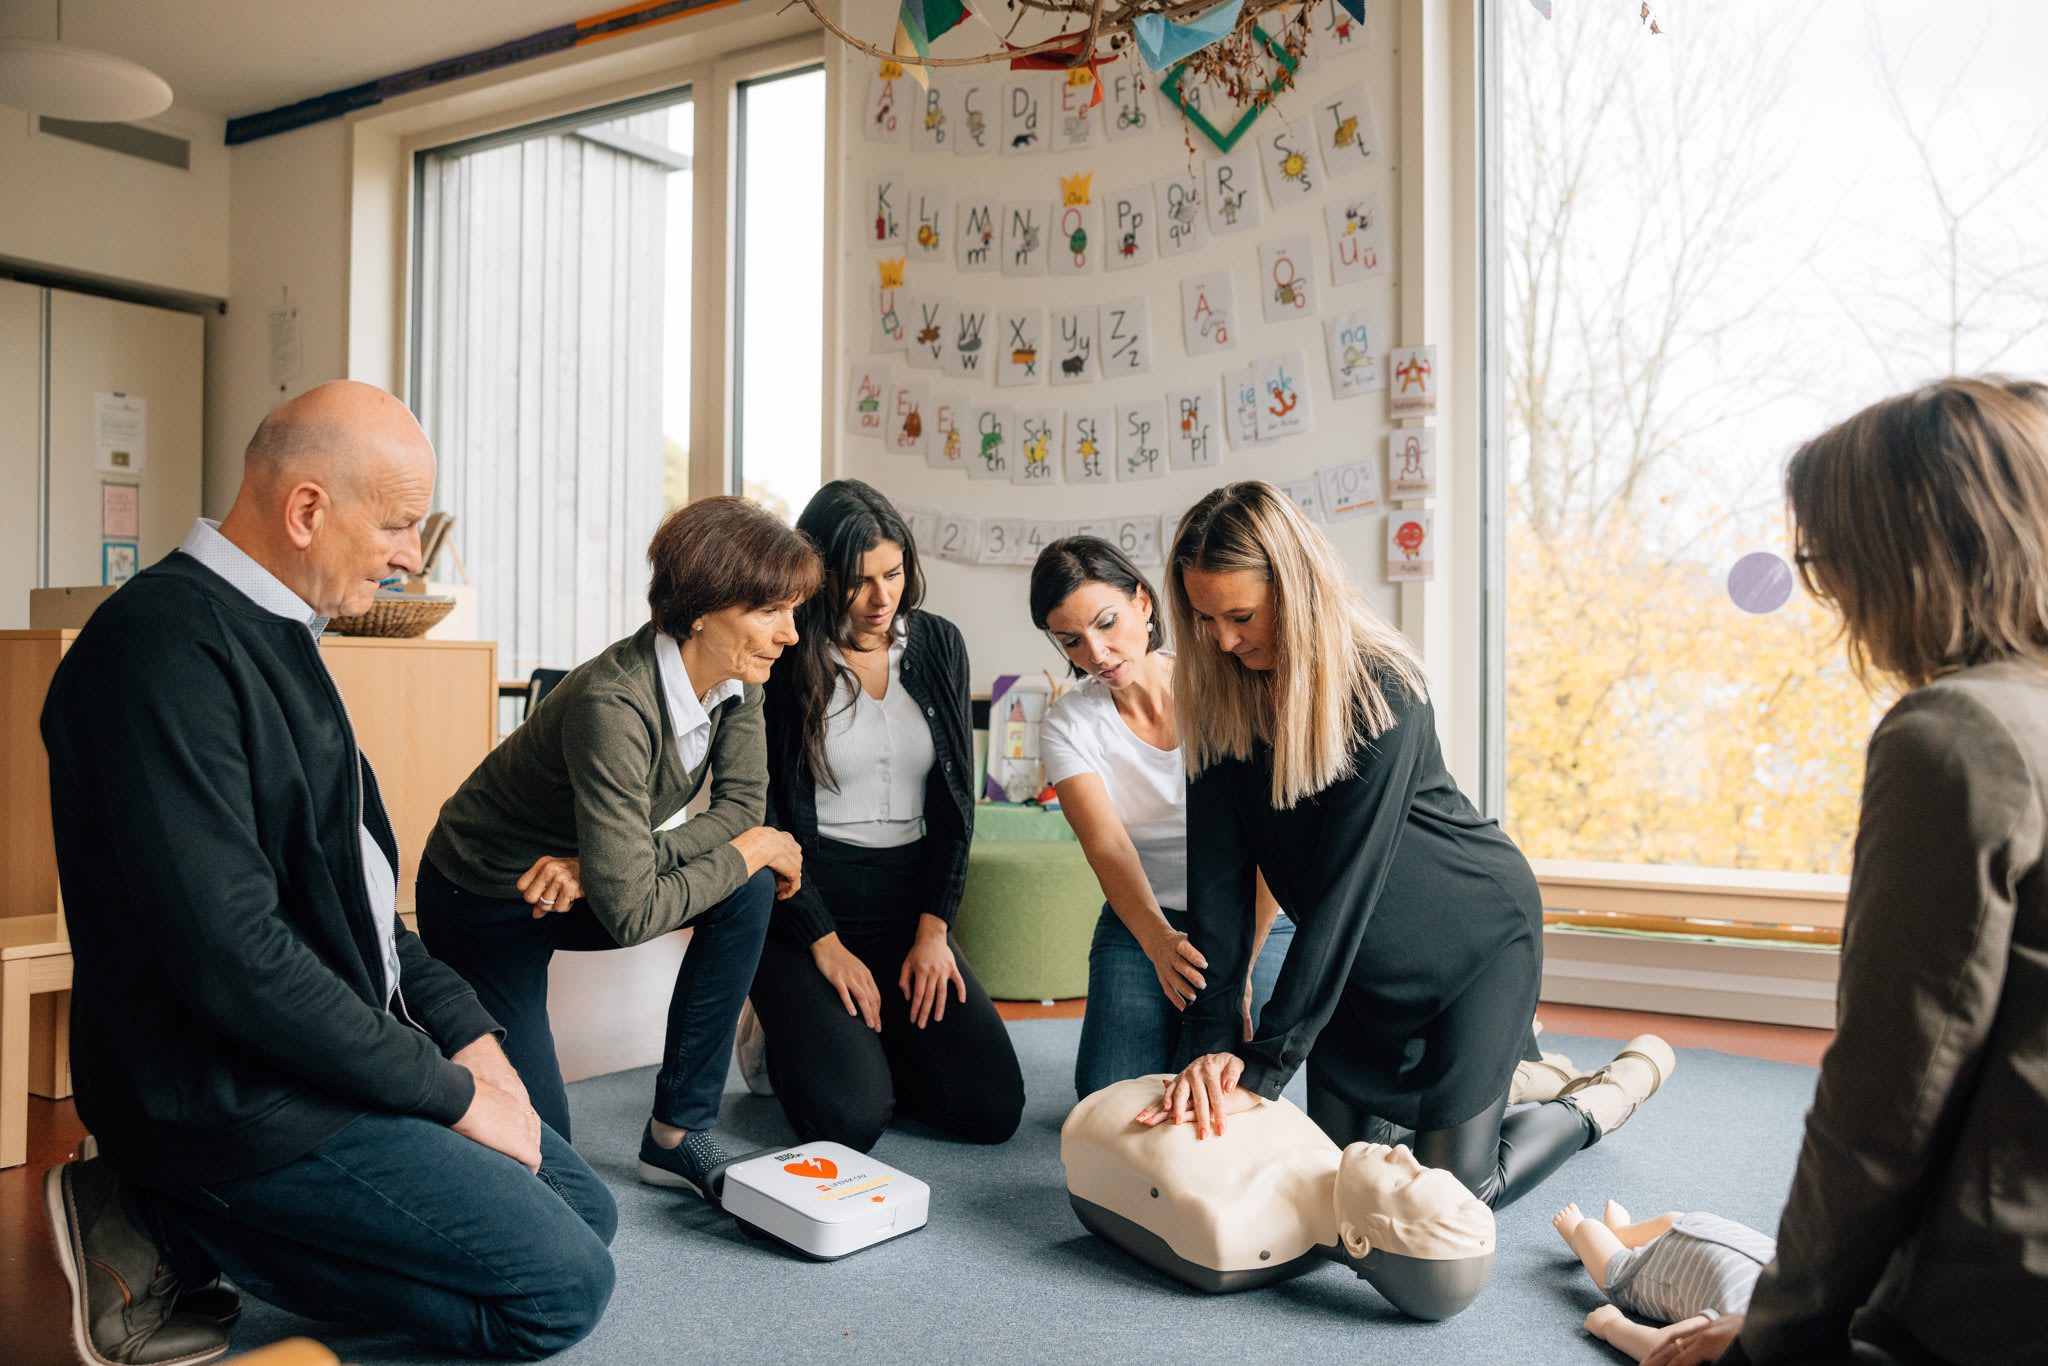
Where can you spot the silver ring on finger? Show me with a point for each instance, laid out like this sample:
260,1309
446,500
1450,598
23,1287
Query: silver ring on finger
547,901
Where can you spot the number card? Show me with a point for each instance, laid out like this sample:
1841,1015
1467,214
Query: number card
1411,462
1192,439
1140,440
1286,268
1241,395
1078,239
1021,357
967,357
1087,440
867,389
1023,115
1283,397
1073,346
989,431
1128,109
1358,238
1208,311
931,218
1037,536
999,538
886,331
1035,462
1346,133
975,239
1308,496
956,538
1413,371
1126,337
931,330
1137,537
1355,343
931,123
886,91
978,102
1024,246
1183,226
1349,490
1074,125
924,525
948,448
1411,548
1230,185
1133,240
1289,160
882,215
909,400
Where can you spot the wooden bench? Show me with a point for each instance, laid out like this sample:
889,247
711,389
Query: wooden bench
35,960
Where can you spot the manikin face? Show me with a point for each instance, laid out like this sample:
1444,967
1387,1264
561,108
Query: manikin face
1236,611
744,642
1387,1198
871,607
1103,631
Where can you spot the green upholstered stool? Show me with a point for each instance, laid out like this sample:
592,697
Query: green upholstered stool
1029,910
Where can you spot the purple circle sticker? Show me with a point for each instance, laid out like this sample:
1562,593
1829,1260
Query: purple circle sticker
1760,582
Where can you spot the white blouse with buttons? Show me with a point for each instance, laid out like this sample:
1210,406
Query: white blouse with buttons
881,752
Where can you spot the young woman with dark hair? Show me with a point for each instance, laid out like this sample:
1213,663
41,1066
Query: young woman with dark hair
864,1002
1112,753
572,833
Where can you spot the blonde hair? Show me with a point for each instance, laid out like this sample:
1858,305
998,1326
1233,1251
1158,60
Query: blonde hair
1333,653
1923,520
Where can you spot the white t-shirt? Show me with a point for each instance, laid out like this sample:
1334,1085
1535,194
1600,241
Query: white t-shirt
1084,734
881,752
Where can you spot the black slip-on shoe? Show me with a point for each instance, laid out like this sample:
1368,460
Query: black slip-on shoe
211,1301
687,1166
123,1297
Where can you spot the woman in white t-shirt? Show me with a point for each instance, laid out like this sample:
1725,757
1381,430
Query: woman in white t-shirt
1111,752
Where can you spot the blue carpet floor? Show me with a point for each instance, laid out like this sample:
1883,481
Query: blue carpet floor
1003,1272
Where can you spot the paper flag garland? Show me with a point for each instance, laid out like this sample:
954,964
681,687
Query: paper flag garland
1161,42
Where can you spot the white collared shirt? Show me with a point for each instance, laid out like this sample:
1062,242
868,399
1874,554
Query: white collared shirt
688,713
205,544
881,752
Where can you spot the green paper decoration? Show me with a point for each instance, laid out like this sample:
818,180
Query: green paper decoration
1225,141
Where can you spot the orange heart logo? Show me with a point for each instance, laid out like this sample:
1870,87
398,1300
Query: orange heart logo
823,1168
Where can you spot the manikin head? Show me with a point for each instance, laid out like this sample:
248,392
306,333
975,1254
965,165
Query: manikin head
1389,1201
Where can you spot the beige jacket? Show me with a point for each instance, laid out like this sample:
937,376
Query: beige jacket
1921,1196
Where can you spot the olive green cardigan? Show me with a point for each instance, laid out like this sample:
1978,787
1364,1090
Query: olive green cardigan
592,774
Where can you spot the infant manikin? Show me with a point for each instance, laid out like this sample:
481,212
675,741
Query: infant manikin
1272,1197
1683,1270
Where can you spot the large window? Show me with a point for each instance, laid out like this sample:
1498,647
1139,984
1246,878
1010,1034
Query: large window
1718,240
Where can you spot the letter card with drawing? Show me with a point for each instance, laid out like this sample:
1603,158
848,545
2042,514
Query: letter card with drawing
1208,312
1089,445
978,101
948,448
1140,440
973,339
1283,397
1075,124
1346,133
1036,460
1127,216
909,402
1230,185
1183,226
1020,358
1126,337
931,124
867,390
1024,99
885,115
931,220
881,219
990,430
931,331
1355,340
1024,233
1289,160
976,247
1358,238
1073,346
1287,286
1194,439
1129,107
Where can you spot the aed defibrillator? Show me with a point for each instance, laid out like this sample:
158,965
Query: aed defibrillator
822,1200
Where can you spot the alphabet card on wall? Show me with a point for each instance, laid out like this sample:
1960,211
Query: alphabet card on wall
867,389
1037,536
1289,161
1129,108
1126,337
1411,462
999,538
1020,359
1346,134
978,101
1087,444
948,448
1411,547
1230,188
1024,245
882,215
1133,240
1283,397
1023,115
1414,381
1193,441
931,123
1286,279
1035,461
968,356
909,400
887,90
1358,238
956,538
1073,346
1140,440
1355,341
932,324
1075,98
1308,496
1183,226
1208,311
1349,490
888,311
1077,228
931,219
976,238
989,434
1241,396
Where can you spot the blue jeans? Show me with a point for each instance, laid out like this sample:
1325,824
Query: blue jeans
401,1223
503,952
1131,1029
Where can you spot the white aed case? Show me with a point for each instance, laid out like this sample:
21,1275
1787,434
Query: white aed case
824,1200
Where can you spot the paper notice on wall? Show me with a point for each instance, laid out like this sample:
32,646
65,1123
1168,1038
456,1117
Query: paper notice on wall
284,345
120,512
120,433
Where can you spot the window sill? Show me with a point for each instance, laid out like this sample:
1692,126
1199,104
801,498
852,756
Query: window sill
1793,907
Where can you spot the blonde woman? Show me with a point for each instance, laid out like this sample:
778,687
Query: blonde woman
1919,1208
1312,759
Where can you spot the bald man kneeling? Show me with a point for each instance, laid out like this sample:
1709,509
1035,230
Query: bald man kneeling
282,1084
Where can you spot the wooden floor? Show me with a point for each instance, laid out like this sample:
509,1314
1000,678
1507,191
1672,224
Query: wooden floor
34,1300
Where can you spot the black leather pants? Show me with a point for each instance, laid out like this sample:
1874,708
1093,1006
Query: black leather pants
1499,1157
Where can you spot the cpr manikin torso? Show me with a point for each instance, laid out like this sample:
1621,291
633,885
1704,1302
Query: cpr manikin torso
1270,1198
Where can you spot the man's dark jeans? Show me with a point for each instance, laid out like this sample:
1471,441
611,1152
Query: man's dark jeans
397,1222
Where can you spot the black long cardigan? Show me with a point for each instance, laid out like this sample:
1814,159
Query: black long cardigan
934,673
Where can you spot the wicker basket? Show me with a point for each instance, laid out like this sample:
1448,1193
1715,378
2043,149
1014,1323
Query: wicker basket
395,616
